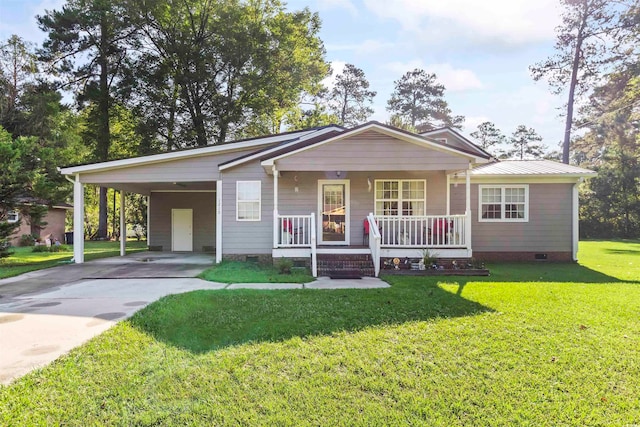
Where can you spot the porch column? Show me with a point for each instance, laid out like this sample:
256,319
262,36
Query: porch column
148,220
275,205
78,221
467,211
218,221
123,227
448,194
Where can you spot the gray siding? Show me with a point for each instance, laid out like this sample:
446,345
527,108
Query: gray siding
247,237
203,168
371,151
549,228
452,140
204,218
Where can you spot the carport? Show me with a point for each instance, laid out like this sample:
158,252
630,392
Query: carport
182,191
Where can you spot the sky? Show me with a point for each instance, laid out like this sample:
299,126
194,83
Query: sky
480,50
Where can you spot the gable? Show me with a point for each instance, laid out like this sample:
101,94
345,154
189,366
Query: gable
452,138
372,150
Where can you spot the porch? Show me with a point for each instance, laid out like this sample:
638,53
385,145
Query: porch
384,236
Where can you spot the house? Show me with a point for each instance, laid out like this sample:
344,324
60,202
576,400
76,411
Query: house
54,218
372,191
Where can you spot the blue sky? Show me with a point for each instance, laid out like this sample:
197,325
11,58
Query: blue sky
480,50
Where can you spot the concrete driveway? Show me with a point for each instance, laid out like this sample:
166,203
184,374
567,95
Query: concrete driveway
45,314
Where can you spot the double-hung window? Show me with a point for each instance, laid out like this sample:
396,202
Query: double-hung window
503,203
398,197
248,201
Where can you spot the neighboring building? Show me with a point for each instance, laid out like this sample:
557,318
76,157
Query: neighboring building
54,219
373,190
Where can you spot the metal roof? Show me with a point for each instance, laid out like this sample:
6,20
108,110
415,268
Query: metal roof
530,167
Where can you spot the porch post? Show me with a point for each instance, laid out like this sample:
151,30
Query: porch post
275,205
218,221
468,210
78,221
448,195
148,220
123,227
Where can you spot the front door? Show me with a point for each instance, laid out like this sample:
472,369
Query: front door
182,230
333,212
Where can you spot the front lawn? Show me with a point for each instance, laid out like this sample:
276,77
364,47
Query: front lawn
534,344
250,272
24,259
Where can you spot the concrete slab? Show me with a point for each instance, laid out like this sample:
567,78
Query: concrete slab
36,329
364,283
265,286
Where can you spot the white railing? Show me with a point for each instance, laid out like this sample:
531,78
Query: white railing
294,231
314,262
431,231
374,243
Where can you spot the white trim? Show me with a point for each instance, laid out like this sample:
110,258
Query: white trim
219,221
502,203
17,215
417,140
575,214
458,178
78,221
347,211
344,251
448,194
123,226
182,191
279,147
400,199
277,253
259,200
197,152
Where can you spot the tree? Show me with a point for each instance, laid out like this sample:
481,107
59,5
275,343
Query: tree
225,68
583,46
488,136
350,97
87,43
400,123
419,99
523,141
17,69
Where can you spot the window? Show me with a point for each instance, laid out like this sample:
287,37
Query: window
504,203
248,201
401,197
12,216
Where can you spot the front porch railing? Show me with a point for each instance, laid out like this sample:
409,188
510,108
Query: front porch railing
431,231
294,231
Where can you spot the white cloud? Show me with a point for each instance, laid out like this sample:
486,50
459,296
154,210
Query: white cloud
338,4
513,22
453,79
471,123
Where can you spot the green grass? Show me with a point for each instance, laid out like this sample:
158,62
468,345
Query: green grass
24,259
532,345
248,272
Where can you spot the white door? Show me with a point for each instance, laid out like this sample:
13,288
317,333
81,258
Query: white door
182,230
333,212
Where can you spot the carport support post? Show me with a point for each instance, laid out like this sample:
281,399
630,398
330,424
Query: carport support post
218,221
123,227
78,221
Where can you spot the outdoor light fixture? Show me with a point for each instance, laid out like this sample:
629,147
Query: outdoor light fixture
338,173
369,184
295,179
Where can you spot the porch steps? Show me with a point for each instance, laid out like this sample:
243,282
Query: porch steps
345,265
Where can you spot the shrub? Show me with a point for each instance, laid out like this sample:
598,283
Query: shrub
285,265
27,240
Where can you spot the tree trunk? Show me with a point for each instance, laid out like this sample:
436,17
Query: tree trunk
573,84
103,135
